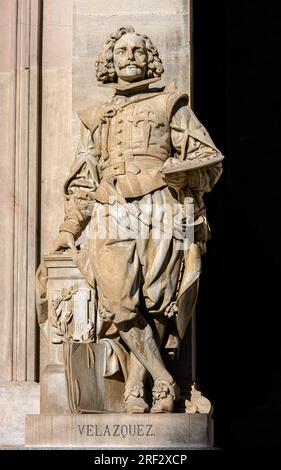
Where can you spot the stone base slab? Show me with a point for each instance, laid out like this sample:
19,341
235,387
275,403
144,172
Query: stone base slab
98,431
16,400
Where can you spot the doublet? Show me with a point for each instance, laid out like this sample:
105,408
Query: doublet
124,144
132,137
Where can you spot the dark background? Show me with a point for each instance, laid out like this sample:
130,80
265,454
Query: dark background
237,97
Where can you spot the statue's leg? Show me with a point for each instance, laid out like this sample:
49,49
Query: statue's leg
161,261
121,267
134,393
138,336
134,396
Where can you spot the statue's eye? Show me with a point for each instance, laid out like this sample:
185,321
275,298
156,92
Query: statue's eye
139,51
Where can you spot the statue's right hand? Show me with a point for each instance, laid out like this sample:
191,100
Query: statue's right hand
64,241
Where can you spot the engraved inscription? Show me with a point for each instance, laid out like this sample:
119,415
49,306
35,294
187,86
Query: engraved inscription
116,430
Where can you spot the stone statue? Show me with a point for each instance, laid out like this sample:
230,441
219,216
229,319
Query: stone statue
136,186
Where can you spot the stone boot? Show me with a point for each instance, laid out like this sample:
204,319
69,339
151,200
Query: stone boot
134,398
164,394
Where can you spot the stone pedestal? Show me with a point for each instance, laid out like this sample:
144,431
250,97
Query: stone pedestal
72,319
63,278
167,431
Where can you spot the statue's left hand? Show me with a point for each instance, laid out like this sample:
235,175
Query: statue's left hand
64,241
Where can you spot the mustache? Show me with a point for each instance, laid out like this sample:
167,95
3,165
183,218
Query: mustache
128,63
131,63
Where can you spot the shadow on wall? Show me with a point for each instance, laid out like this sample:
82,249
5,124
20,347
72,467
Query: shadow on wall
238,322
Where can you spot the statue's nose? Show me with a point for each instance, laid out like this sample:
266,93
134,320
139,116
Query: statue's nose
130,55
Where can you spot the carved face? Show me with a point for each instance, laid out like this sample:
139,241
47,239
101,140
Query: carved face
130,58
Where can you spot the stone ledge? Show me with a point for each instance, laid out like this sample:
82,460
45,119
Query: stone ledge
177,430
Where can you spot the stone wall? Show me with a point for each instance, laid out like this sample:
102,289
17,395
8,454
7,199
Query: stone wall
47,55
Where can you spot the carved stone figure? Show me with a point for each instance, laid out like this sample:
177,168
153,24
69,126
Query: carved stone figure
137,184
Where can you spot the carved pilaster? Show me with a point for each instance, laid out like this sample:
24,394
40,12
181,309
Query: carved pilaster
19,196
19,137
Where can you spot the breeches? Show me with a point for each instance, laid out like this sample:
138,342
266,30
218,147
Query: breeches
133,269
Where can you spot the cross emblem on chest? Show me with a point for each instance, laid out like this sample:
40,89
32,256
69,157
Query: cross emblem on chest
147,118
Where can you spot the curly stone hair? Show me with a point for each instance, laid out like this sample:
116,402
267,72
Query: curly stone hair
105,71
